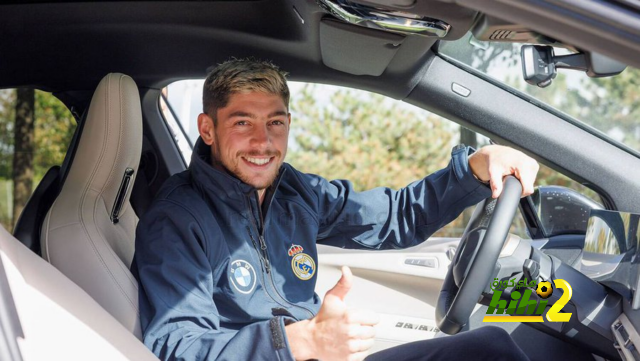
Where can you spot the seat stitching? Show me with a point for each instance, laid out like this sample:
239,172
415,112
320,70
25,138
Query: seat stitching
120,136
102,261
99,256
100,196
102,152
64,225
118,151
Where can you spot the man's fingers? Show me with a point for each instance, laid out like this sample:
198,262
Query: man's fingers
526,174
527,179
343,286
362,332
494,162
363,317
360,345
495,177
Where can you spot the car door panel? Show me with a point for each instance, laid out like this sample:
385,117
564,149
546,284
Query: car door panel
402,286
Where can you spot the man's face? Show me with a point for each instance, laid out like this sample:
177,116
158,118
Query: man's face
250,138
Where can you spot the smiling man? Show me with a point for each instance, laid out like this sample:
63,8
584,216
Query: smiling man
248,137
226,255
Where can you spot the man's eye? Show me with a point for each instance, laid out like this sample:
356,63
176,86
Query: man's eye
241,122
277,122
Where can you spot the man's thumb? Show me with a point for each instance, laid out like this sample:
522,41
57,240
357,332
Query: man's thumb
343,286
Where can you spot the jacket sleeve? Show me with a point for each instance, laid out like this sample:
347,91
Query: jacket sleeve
383,218
179,318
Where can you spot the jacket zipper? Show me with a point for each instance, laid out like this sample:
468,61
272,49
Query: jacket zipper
262,263
261,251
264,255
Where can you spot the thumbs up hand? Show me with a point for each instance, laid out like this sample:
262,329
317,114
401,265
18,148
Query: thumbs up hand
336,333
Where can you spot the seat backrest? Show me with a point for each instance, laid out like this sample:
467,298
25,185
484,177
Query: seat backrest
55,319
89,231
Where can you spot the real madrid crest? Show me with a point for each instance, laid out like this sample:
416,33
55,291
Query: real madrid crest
242,276
302,264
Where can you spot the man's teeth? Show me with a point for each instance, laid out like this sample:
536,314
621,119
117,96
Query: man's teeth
258,161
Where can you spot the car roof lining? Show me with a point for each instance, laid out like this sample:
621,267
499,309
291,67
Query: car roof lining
157,42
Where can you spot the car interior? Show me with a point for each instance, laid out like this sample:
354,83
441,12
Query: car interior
68,259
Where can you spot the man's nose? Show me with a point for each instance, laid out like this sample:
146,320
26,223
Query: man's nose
260,136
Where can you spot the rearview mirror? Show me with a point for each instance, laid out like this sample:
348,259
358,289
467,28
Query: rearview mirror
540,65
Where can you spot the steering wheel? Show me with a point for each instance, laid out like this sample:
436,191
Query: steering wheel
474,263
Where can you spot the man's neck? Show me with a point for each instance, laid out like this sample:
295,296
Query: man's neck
220,167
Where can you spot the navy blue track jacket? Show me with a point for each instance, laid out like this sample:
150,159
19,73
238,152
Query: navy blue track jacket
220,275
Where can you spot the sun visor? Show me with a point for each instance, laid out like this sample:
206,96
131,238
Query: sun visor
355,49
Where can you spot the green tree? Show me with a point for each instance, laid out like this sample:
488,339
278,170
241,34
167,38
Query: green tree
366,139
23,149
616,108
7,111
53,129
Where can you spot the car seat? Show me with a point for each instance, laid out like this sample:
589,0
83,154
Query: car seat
48,317
89,231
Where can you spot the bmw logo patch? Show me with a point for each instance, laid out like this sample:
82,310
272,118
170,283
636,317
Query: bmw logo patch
242,276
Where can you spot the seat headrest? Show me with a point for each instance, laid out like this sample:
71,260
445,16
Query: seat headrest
110,145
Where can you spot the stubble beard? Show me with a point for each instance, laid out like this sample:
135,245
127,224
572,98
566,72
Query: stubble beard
234,168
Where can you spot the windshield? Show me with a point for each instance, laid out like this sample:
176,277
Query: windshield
611,105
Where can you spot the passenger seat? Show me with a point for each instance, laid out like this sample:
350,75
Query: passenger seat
51,318
89,232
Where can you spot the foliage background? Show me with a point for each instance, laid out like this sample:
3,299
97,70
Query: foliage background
366,138
54,127
372,141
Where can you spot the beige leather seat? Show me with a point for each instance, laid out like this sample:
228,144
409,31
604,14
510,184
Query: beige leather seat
57,319
89,231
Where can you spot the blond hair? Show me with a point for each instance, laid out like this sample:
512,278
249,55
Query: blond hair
239,76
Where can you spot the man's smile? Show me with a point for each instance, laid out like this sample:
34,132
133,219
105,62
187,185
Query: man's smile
258,162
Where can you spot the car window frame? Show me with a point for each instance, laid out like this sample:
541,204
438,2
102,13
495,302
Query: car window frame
544,106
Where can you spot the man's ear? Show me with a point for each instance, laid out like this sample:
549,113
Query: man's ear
206,128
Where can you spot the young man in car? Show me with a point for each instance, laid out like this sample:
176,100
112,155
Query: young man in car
226,256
